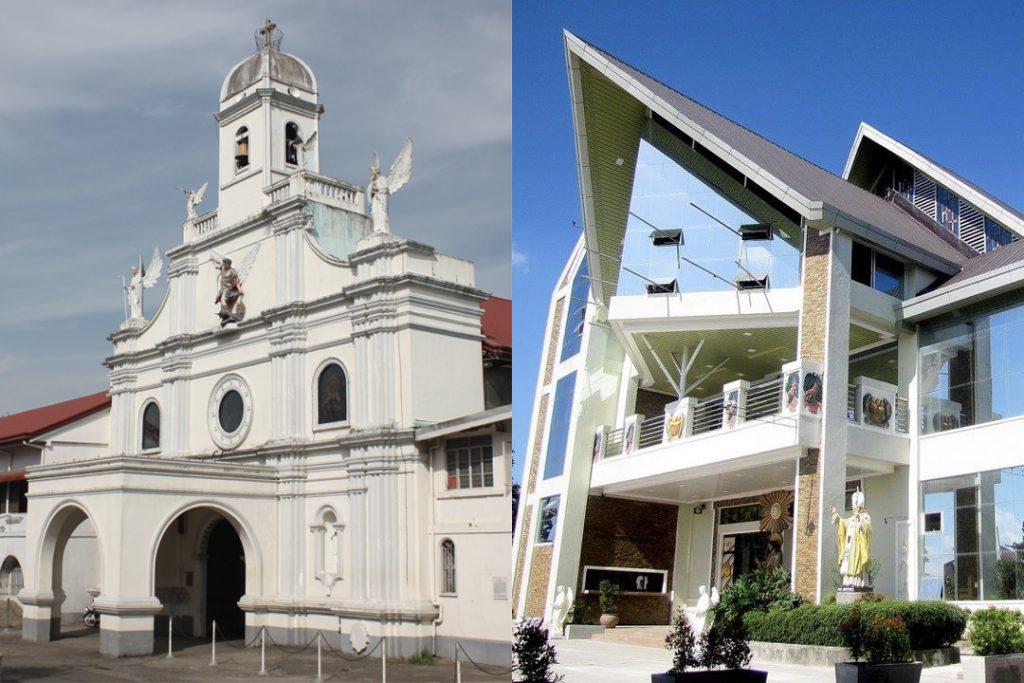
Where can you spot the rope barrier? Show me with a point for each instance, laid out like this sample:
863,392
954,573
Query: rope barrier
502,672
245,646
284,649
358,657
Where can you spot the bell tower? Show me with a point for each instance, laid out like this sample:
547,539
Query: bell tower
269,120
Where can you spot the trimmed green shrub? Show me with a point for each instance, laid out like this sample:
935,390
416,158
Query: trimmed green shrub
997,631
683,644
762,589
608,591
930,623
725,644
533,655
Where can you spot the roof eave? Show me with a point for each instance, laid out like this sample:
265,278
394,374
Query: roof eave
971,290
824,216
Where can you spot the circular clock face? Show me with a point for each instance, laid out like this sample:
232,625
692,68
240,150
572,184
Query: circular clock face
776,511
230,412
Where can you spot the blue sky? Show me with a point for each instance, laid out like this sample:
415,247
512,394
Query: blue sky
107,106
944,78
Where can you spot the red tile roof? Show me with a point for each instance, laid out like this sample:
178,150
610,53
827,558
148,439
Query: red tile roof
497,326
31,423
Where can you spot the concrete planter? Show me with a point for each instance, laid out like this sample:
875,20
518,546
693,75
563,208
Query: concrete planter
865,672
609,620
582,631
824,655
713,676
993,668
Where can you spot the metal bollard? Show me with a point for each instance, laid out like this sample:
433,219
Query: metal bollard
263,651
213,644
384,662
458,665
319,669
170,635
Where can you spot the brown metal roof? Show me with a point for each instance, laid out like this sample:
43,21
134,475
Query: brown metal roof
979,265
807,179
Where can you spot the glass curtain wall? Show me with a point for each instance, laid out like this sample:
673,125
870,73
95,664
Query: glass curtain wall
712,257
973,536
972,370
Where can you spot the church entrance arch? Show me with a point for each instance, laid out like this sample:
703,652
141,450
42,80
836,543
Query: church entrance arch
201,571
70,565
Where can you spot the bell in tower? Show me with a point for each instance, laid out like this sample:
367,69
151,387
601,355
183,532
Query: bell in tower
269,112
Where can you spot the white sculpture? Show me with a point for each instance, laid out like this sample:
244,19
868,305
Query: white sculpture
141,279
560,607
193,198
854,543
704,604
304,147
381,186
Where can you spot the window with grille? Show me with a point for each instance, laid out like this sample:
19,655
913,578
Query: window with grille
469,463
448,566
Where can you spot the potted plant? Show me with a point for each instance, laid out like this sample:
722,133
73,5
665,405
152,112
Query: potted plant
883,642
724,644
997,638
609,610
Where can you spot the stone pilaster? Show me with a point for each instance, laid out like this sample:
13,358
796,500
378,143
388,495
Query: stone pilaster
537,588
524,545
538,440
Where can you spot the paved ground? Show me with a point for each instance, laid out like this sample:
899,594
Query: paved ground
590,661
76,659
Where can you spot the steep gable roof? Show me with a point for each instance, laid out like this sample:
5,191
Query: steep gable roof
793,179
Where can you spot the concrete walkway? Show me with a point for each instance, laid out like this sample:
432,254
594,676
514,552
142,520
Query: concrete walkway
590,661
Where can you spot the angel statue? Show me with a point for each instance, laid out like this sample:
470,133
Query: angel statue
304,147
193,198
141,279
381,186
854,543
229,285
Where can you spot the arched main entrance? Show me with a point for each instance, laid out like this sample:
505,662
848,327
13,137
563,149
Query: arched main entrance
200,574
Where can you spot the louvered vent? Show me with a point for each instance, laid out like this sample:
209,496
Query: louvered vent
972,227
924,194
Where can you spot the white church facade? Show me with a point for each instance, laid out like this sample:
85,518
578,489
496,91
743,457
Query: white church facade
311,452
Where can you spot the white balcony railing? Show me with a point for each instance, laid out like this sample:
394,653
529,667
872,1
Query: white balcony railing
315,186
741,402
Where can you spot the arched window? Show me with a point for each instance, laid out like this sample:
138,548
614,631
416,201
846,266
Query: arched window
332,395
448,566
242,148
11,579
291,150
151,427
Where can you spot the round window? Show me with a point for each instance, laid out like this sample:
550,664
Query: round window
230,412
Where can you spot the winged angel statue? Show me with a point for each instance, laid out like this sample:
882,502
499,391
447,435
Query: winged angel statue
229,285
194,198
142,278
381,186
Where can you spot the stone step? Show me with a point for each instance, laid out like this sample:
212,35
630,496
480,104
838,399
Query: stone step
643,636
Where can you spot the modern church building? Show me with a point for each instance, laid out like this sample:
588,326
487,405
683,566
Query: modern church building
742,339
334,457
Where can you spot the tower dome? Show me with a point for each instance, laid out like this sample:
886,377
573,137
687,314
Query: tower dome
271,65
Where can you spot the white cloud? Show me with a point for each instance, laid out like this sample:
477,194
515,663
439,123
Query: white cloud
520,260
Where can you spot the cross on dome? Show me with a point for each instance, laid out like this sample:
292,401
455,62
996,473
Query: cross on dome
268,37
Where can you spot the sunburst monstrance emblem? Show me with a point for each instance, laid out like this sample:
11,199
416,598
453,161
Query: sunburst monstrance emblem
775,511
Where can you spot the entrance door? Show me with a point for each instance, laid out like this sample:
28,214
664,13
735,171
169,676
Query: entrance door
741,553
225,582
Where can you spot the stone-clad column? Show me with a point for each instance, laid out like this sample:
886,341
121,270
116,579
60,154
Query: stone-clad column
824,337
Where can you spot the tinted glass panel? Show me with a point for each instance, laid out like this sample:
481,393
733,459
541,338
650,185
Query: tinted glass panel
558,434
151,427
861,266
577,303
230,412
331,395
